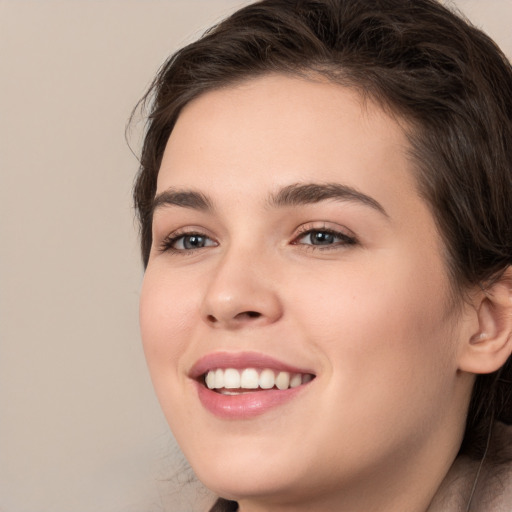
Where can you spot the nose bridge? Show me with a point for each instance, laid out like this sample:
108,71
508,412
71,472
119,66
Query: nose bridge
241,290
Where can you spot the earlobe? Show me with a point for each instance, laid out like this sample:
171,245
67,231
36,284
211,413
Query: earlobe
487,349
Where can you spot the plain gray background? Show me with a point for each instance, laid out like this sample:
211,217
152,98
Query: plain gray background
80,429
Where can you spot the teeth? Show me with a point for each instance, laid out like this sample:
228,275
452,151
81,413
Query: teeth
210,380
267,379
283,380
307,378
296,380
249,378
219,379
231,379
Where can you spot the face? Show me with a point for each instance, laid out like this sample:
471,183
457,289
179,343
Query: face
297,273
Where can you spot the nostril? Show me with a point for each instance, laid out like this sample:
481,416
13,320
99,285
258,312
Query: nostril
239,317
247,314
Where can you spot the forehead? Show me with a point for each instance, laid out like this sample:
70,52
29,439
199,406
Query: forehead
276,130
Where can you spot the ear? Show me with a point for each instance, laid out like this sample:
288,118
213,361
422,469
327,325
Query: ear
488,348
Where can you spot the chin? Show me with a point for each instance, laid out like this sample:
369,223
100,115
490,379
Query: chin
248,473
242,482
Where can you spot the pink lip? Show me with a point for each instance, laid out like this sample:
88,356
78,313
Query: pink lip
249,404
240,360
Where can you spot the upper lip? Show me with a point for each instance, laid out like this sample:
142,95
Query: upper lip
239,361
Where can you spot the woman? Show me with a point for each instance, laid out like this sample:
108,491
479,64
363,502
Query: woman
324,198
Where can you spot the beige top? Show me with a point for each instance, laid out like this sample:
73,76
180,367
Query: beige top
493,487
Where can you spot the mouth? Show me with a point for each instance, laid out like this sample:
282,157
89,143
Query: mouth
240,386
233,381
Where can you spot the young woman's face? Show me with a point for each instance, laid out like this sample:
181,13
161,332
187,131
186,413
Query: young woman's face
291,251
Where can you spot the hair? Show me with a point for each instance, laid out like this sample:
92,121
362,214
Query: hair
419,61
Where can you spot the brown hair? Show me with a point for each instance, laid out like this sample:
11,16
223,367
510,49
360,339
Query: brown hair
446,78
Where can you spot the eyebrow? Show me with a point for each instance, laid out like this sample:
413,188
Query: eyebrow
184,198
300,194
292,195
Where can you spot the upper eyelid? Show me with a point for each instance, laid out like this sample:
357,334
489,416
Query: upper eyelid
324,230
183,231
324,226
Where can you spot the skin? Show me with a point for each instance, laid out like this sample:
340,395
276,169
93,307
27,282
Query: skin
380,425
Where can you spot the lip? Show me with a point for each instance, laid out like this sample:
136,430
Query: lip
248,404
241,360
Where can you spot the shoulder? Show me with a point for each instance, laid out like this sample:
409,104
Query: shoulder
488,482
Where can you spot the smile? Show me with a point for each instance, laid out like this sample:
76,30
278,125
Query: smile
232,381
239,386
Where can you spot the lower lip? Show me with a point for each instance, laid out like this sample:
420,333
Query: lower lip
245,405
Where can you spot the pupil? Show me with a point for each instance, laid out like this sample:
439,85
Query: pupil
193,242
322,238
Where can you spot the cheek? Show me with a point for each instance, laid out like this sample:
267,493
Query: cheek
166,310
380,327
387,351
389,295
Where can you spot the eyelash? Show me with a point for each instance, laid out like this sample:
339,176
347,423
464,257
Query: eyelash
167,245
344,239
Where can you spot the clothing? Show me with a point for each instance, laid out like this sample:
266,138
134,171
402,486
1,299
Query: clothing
491,479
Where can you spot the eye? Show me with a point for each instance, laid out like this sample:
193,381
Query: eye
186,242
324,238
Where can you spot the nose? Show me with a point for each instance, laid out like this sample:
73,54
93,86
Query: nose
240,293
